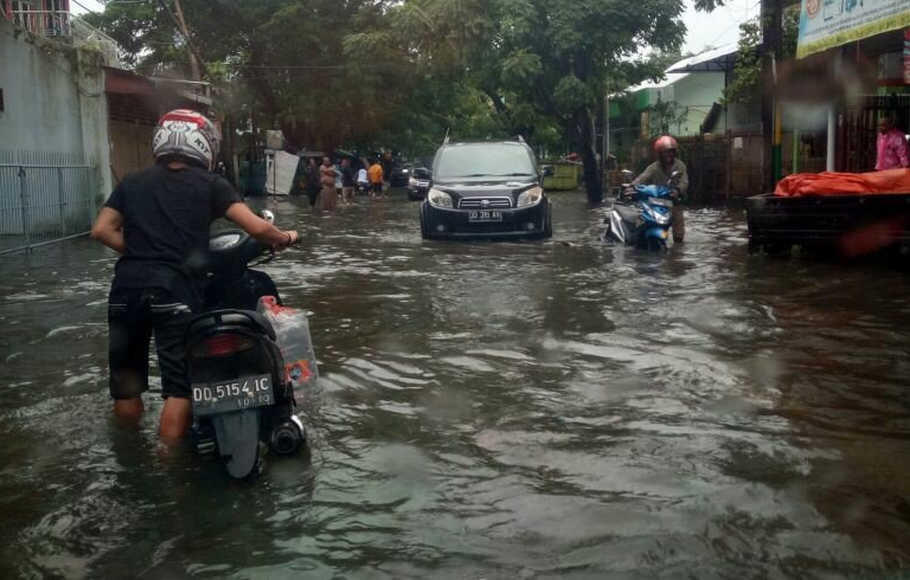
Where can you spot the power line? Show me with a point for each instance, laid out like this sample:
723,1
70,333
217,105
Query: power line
289,66
734,25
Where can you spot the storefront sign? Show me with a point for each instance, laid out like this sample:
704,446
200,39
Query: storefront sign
824,24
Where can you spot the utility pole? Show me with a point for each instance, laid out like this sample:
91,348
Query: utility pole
181,22
771,25
197,68
606,146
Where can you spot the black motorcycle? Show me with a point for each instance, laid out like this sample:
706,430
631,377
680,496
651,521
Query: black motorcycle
243,400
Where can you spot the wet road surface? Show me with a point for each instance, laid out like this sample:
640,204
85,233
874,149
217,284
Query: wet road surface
558,409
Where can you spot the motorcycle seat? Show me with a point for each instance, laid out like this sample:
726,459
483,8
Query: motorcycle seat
225,320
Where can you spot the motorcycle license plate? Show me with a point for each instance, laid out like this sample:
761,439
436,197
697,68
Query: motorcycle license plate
233,395
485,215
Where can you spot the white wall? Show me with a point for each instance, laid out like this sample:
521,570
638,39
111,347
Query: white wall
695,95
40,95
54,100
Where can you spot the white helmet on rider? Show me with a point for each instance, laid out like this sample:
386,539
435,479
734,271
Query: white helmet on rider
187,135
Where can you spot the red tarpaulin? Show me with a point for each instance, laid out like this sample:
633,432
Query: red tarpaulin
877,182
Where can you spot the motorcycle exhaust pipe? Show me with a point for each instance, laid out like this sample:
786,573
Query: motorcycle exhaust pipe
287,437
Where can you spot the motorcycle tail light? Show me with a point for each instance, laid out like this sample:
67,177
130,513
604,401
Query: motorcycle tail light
222,345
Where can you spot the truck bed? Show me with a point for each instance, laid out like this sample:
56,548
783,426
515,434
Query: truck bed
849,224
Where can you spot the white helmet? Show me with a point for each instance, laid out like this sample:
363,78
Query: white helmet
186,134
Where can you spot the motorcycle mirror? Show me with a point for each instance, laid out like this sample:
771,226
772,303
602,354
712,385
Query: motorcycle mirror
267,216
626,173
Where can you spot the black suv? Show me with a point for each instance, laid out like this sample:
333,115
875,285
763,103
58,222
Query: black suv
486,190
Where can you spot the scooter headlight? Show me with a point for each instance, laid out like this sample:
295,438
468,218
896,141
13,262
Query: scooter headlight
439,198
657,214
412,182
530,197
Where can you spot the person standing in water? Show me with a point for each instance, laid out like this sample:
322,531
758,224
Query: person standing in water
659,172
347,182
158,221
375,173
328,196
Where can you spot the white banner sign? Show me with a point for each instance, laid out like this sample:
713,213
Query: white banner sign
280,169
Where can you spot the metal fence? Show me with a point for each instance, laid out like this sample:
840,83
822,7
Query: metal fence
44,198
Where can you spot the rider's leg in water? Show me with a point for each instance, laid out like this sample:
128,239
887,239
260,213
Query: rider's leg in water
128,351
679,223
171,319
176,417
129,411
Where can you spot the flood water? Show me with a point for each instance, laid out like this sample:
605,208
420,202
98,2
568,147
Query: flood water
557,409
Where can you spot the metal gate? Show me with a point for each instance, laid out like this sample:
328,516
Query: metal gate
45,198
859,130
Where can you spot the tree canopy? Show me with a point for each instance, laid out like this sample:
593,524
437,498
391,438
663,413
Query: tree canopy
403,73
746,77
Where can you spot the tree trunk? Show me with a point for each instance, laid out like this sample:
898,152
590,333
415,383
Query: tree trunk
593,180
194,61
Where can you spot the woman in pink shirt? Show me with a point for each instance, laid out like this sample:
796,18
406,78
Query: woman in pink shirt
893,151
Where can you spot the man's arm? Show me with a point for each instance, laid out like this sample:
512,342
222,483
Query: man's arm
646,176
257,227
682,182
108,229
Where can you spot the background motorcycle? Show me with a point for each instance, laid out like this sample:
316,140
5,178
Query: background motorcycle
242,398
642,216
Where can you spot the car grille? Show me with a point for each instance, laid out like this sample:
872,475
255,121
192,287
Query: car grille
478,202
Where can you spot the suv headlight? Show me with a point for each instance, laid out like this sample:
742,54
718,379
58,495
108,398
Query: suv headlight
530,197
439,198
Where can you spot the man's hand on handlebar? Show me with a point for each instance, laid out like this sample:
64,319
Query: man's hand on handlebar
292,238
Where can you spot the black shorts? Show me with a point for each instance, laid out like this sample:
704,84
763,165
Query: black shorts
133,315
377,187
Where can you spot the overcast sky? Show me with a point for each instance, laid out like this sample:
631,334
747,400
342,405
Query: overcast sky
719,27
716,29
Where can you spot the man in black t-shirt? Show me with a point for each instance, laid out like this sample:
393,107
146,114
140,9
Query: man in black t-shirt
158,220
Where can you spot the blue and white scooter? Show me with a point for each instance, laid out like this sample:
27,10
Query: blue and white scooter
642,216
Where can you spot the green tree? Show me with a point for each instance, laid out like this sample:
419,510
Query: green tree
331,72
287,58
556,60
745,86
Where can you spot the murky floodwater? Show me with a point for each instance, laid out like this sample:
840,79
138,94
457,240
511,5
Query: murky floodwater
513,410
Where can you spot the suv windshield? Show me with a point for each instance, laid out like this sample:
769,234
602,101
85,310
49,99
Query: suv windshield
484,160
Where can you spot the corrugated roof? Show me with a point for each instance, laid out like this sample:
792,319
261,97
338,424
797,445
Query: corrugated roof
715,60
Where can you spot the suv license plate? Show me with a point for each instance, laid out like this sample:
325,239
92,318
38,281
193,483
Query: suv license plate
485,215
232,395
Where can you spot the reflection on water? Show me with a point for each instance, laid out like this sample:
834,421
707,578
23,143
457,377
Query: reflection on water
560,409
